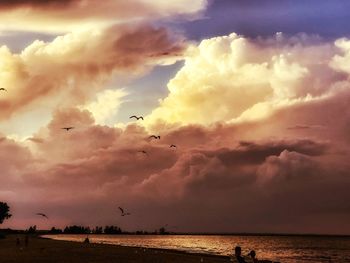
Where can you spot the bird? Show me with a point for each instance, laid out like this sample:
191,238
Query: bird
155,137
43,215
137,118
143,151
3,89
173,146
67,128
123,212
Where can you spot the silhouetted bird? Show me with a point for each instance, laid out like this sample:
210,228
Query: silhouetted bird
67,128
155,137
123,212
173,146
3,89
144,152
137,118
41,214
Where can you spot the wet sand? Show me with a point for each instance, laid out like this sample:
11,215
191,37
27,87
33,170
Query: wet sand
47,250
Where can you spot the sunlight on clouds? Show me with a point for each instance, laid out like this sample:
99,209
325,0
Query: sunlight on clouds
233,78
106,105
49,16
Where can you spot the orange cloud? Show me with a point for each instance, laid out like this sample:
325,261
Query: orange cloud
72,68
68,15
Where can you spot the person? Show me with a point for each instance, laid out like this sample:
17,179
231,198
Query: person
238,253
252,254
87,241
18,242
26,240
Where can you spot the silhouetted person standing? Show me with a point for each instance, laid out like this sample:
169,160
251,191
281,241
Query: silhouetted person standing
253,256
87,241
18,242
238,253
26,240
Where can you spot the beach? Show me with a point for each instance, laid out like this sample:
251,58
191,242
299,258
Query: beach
47,250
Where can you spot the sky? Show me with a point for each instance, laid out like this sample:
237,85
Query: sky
253,93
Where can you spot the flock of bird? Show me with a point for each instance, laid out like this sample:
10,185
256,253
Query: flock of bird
122,211
156,137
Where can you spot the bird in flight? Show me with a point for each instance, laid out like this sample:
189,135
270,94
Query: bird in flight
3,89
137,118
41,214
173,146
143,151
67,128
123,213
155,137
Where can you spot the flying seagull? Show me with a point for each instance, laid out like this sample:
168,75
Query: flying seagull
123,212
3,89
155,137
173,146
137,118
41,214
143,151
67,128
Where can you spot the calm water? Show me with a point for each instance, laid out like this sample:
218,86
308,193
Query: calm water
287,249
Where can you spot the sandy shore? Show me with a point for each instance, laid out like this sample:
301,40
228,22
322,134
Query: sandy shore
47,250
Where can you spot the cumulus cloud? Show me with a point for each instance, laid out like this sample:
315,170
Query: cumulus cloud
106,105
228,173
68,15
72,68
211,167
233,78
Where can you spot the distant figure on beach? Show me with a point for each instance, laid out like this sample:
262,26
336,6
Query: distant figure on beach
252,254
238,253
26,240
87,241
18,242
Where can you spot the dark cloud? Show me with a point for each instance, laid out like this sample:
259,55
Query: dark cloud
246,186
38,3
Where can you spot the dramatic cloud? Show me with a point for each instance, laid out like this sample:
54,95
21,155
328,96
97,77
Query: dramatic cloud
105,108
72,68
261,128
233,78
68,15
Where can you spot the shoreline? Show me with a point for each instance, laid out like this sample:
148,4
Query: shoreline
44,249
141,247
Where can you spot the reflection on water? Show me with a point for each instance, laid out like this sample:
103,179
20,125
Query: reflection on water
287,249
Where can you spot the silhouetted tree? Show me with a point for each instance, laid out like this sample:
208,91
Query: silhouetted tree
4,212
55,231
31,230
161,231
97,230
112,230
76,230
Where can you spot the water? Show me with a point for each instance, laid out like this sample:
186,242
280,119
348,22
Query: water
286,249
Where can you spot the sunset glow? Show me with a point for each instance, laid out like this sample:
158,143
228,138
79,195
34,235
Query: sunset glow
256,107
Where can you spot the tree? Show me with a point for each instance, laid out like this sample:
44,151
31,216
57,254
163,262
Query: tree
32,230
4,212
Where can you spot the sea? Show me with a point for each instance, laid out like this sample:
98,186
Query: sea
285,249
